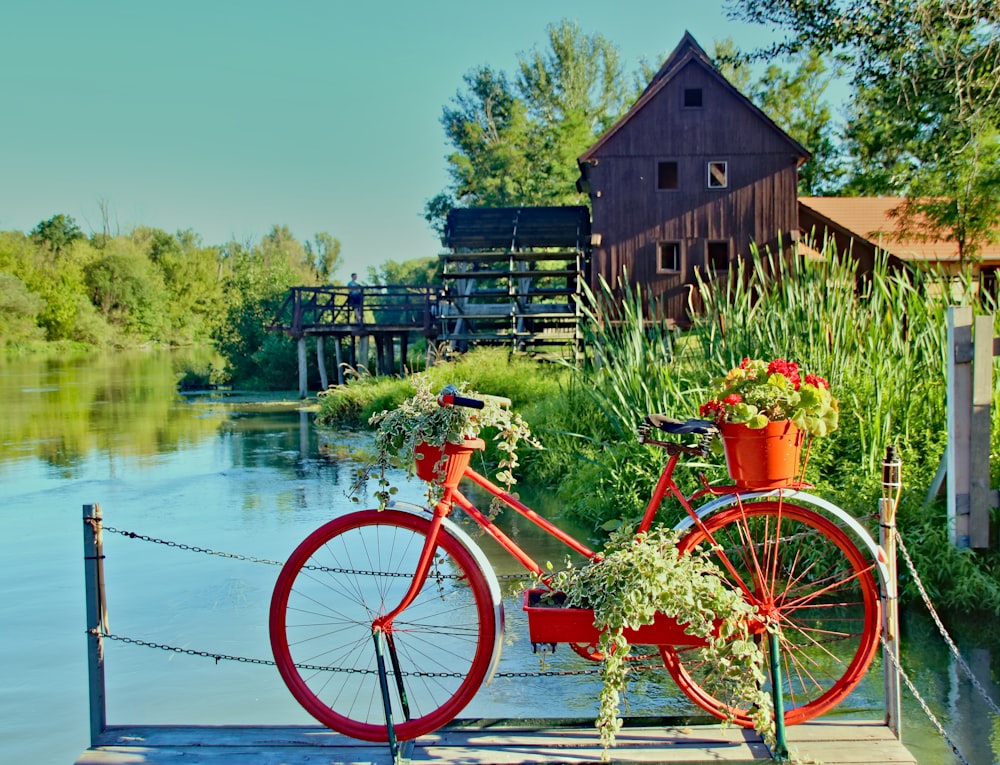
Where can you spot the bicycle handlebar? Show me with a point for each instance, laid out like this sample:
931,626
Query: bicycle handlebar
449,396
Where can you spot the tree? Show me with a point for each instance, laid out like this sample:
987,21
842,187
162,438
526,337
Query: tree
487,126
926,103
416,272
794,99
574,92
128,290
57,233
324,255
516,143
19,309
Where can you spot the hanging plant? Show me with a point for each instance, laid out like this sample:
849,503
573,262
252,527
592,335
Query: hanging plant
421,423
638,576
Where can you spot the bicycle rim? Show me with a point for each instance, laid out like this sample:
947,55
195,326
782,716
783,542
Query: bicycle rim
806,575
343,576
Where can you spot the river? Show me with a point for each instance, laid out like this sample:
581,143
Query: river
247,476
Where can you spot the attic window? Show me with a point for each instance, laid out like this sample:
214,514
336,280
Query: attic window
666,175
718,175
692,98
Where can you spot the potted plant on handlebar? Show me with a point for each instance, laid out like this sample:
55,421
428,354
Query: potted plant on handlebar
764,410
428,431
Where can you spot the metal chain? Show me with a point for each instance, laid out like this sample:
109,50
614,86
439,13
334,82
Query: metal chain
941,628
269,562
887,652
192,548
322,668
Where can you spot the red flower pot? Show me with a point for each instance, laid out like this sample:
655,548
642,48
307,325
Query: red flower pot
766,458
426,458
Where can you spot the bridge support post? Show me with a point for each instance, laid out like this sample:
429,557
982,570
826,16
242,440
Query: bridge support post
321,361
339,353
303,382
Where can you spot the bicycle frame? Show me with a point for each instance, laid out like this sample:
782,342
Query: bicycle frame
725,496
453,496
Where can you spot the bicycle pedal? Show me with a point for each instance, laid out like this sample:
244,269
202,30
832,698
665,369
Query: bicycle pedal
543,647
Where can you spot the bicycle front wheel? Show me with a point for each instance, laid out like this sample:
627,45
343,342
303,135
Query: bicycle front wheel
437,651
811,582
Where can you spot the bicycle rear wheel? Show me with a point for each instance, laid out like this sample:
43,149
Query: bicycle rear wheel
337,581
807,578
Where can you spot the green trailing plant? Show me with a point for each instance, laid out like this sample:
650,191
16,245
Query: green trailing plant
638,576
420,421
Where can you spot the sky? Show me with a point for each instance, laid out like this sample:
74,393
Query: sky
228,117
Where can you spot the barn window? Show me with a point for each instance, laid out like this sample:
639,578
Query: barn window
718,256
666,175
718,175
692,97
669,257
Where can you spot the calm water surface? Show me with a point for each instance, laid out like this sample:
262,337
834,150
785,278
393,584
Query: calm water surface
247,477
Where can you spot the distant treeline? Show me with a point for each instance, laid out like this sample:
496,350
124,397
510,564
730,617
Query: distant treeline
58,286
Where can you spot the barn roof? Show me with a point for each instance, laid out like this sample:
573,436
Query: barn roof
517,228
686,52
872,219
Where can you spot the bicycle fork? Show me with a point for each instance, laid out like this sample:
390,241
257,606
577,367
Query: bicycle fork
385,643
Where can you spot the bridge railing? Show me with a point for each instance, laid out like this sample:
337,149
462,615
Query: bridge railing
315,310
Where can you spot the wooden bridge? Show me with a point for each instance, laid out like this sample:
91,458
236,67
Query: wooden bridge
391,314
514,277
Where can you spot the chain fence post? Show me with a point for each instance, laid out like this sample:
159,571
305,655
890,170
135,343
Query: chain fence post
97,618
891,489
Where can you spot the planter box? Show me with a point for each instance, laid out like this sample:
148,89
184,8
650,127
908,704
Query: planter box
552,622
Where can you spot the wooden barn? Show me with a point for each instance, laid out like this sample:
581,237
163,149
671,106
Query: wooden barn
686,180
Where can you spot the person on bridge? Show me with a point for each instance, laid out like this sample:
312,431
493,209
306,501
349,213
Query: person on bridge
355,298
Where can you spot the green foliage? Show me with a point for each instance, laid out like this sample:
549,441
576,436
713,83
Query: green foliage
925,106
19,309
517,143
757,393
57,233
420,421
637,577
532,388
128,292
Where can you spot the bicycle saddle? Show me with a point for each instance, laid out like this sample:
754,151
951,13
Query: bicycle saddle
681,427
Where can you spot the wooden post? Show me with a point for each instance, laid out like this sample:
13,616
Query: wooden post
959,421
404,340
339,348
303,382
363,352
97,618
891,489
980,500
970,390
321,361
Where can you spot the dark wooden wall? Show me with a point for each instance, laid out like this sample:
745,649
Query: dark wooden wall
631,216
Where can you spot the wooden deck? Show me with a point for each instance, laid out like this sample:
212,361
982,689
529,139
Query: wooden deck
493,743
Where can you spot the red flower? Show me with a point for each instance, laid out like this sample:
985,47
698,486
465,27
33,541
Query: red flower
732,399
787,368
818,381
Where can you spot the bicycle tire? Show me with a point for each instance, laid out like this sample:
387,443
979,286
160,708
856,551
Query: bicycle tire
826,604
345,574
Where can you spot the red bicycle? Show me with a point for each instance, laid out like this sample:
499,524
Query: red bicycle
384,624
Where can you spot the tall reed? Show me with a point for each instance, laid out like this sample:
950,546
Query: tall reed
878,339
